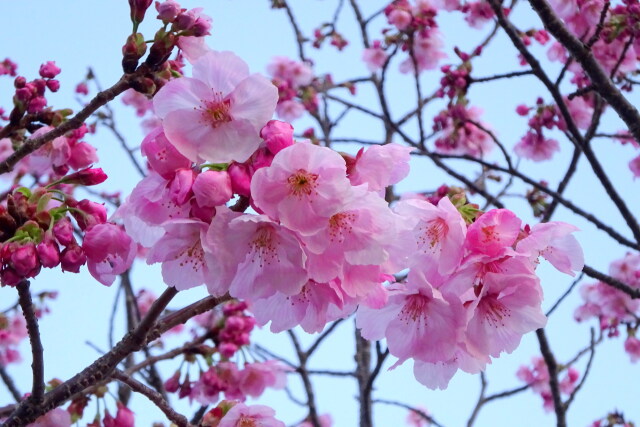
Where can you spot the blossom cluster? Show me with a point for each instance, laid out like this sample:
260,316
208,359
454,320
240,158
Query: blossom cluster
612,307
537,377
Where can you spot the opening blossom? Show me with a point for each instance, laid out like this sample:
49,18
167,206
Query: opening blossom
216,115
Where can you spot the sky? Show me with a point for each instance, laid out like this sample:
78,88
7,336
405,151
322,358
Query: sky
78,35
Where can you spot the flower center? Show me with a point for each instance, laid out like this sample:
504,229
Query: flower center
302,183
414,308
263,246
215,111
433,232
340,225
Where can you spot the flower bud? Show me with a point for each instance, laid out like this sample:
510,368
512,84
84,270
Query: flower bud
49,70
277,135
212,188
72,258
86,177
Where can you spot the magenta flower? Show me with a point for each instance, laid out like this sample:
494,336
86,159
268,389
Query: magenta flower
437,230
242,415
110,251
181,254
216,115
254,257
507,307
493,232
418,321
554,242
304,187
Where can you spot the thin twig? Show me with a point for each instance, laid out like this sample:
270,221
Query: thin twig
566,294
422,414
11,386
155,397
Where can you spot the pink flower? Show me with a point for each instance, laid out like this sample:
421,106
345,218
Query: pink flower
216,116
162,155
534,146
310,308
507,307
414,316
632,347
324,419
380,166
256,377
304,186
110,251
427,51
634,166
415,419
374,57
181,254
82,155
439,231
253,257
242,415
493,232
554,242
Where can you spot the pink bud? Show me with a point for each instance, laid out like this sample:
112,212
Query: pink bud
240,179
277,135
227,349
180,187
92,213
10,277
82,155
25,260
82,88
185,21
522,110
48,252
19,82
63,231
37,104
262,158
138,9
49,70
173,384
124,417
86,177
168,10
72,258
212,188
53,85
201,27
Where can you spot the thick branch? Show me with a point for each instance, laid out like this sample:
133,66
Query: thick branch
99,370
37,364
582,54
552,366
74,123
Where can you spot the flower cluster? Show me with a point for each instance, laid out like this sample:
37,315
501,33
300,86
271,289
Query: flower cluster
36,232
612,307
296,94
537,377
471,291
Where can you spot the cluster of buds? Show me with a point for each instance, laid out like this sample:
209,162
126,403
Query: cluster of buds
623,22
328,31
183,23
36,231
30,96
408,19
455,82
541,36
236,329
537,376
459,134
8,67
296,93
